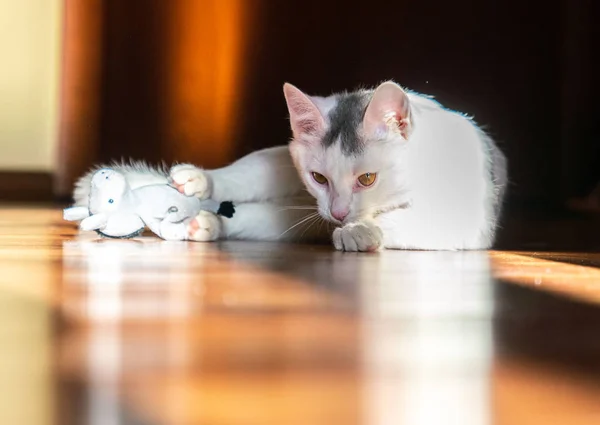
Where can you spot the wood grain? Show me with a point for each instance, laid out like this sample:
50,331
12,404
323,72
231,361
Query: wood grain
151,332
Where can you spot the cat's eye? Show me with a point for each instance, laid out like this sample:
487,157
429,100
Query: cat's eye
110,201
367,179
319,178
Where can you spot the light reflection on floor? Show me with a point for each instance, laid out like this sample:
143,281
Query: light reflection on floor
156,333
428,341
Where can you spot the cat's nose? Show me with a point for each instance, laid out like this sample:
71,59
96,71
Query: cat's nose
339,214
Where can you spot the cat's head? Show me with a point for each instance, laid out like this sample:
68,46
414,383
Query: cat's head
348,148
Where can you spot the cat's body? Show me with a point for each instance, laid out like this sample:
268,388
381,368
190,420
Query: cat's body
391,169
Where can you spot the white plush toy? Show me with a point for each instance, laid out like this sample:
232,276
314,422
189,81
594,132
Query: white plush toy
117,211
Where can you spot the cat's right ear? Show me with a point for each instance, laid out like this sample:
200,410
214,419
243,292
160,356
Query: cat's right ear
389,109
305,117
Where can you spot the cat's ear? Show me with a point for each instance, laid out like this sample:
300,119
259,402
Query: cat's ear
389,109
305,117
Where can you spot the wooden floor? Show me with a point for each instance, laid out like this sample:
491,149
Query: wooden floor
109,332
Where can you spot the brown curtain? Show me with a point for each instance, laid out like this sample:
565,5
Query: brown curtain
150,80
80,98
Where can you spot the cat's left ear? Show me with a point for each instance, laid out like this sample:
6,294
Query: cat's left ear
305,117
389,109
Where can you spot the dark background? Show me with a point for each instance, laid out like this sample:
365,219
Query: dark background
526,71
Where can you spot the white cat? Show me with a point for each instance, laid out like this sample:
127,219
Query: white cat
388,168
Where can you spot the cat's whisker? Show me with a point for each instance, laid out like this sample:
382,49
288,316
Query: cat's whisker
320,224
311,223
307,220
293,207
303,220
383,208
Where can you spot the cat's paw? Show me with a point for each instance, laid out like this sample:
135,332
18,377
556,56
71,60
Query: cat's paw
362,237
190,180
205,227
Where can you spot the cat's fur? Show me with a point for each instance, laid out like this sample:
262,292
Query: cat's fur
440,179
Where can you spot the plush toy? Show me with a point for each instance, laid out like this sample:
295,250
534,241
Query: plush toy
117,211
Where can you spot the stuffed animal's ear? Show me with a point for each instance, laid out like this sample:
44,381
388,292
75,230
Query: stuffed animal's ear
94,222
75,213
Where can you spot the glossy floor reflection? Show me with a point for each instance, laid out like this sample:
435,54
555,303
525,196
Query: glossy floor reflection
152,332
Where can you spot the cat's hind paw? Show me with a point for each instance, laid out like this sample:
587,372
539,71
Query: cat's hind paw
205,227
361,237
190,180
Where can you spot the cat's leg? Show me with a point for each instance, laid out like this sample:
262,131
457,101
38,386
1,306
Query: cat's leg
285,220
205,227
410,229
137,174
413,229
293,220
361,236
260,176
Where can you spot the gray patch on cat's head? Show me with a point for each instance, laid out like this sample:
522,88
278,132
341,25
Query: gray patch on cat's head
346,120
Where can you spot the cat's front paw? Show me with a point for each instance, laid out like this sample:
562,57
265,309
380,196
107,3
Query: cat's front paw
205,227
362,237
190,180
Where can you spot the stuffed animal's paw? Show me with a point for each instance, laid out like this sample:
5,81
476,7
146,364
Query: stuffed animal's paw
362,237
173,231
190,180
205,227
